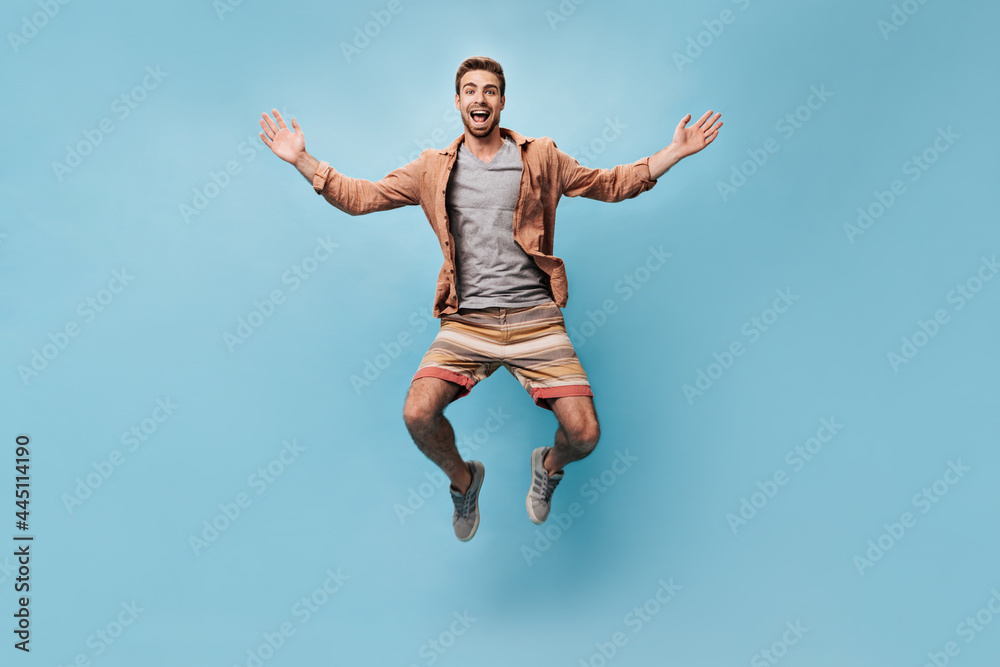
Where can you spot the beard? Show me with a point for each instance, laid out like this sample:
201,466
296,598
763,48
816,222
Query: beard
491,123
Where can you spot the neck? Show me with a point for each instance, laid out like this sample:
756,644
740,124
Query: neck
486,147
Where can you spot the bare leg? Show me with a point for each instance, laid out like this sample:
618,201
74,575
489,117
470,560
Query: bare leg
423,413
578,431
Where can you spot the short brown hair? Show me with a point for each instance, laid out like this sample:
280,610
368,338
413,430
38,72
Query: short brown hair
480,63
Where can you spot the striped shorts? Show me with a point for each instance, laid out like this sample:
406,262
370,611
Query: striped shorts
531,342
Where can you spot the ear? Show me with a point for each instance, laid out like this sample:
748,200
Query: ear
456,102
503,100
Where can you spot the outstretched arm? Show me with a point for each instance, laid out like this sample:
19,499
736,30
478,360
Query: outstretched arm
628,180
687,141
354,196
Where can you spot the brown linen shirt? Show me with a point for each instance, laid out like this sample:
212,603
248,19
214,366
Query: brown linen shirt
548,174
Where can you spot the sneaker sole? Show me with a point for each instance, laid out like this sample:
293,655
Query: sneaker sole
531,515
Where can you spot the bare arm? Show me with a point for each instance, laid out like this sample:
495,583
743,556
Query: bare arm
687,141
306,164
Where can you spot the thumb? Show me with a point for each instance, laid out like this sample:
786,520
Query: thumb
295,124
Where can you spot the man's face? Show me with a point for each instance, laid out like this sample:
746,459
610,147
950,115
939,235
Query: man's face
479,102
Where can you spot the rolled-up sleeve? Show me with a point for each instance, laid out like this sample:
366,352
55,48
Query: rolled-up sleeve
611,185
357,196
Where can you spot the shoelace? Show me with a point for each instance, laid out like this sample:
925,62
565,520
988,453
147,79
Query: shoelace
464,505
546,484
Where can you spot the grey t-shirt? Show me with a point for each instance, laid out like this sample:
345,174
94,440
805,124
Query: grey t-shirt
491,268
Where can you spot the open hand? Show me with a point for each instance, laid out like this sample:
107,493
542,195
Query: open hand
286,144
690,140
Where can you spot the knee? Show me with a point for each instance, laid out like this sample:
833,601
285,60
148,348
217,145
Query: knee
418,418
585,437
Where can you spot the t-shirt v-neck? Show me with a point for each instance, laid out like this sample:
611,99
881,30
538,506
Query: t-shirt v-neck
507,144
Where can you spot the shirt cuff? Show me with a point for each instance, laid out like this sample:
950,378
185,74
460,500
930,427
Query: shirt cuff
319,179
645,175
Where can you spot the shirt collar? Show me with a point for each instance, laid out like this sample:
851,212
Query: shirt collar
504,132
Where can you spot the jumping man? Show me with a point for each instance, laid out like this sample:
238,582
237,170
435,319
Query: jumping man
490,198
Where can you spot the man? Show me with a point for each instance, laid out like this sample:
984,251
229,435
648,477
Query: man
491,198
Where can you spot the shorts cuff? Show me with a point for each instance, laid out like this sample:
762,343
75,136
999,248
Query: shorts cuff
540,395
441,373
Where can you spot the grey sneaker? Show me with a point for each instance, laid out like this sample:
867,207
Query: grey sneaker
466,517
542,485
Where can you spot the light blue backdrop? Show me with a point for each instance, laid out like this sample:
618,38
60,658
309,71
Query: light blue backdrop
798,460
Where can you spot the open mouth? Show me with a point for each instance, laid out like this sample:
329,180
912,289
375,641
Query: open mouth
479,116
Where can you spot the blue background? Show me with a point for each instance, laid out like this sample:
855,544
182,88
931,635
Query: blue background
530,595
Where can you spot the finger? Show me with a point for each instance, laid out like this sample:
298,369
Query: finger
295,124
270,133
715,128
265,139
701,120
270,125
281,121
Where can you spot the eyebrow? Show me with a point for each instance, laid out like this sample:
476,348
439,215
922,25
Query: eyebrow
489,85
